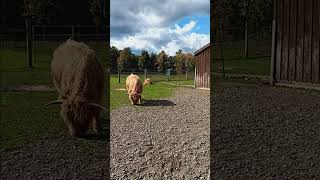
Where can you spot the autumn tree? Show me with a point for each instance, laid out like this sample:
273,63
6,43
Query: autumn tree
189,61
124,58
161,61
179,62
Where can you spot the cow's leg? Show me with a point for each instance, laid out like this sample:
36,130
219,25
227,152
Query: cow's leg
140,100
130,100
96,124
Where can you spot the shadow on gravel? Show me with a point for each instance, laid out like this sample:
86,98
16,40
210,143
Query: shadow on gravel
157,103
103,135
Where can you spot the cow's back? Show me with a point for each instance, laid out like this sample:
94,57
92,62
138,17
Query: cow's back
76,71
133,84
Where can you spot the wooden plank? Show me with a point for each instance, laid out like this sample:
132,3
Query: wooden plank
300,37
307,42
315,42
285,40
209,65
292,40
279,38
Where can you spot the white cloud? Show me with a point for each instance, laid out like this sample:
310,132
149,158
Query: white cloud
186,28
150,25
168,39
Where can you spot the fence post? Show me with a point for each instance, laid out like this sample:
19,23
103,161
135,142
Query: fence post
169,74
119,75
186,74
29,41
72,35
145,73
195,77
33,45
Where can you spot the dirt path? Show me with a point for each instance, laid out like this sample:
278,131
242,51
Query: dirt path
164,139
264,132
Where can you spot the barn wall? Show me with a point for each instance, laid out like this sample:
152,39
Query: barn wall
297,41
202,63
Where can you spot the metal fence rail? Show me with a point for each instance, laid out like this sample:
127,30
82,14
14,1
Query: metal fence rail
155,76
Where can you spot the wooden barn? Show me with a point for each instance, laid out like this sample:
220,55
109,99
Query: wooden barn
295,43
202,65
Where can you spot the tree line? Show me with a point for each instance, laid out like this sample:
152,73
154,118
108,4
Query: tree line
126,60
237,15
53,12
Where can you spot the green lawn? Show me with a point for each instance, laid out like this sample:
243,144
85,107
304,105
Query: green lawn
258,61
25,119
157,90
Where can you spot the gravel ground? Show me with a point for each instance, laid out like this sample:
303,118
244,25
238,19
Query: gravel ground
264,132
64,158
163,139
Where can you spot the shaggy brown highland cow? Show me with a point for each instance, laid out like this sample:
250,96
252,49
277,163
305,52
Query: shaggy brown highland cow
79,79
147,81
134,88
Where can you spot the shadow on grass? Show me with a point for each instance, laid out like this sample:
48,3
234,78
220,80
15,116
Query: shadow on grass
157,103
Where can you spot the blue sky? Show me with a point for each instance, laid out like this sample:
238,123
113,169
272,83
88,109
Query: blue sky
158,25
203,23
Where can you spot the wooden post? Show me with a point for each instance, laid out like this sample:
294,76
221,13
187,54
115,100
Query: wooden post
119,75
29,41
145,73
246,30
273,48
186,74
246,40
195,78
72,35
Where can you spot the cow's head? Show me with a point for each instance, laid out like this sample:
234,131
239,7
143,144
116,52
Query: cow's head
77,115
134,98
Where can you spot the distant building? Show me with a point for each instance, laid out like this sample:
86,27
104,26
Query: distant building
202,64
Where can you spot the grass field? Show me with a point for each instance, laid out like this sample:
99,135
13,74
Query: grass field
25,119
258,61
157,90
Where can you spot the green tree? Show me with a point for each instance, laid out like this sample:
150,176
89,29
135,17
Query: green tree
143,60
114,55
41,10
152,62
98,12
171,62
133,62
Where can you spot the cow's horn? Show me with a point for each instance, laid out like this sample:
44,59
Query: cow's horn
98,106
59,101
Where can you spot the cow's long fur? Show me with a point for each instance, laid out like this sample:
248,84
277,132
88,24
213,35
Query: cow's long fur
134,88
79,79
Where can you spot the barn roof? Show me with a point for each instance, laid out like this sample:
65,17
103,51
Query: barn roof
202,49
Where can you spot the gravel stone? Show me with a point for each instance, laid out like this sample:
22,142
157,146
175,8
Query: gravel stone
56,159
264,132
164,139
